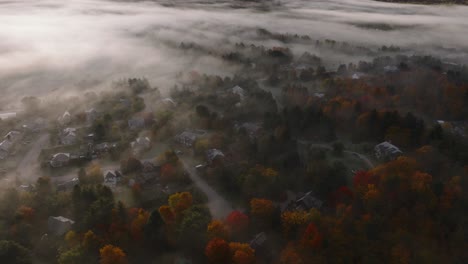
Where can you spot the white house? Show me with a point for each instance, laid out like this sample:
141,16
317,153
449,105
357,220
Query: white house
65,119
141,144
69,136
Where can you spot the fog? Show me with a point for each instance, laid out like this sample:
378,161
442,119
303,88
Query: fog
52,47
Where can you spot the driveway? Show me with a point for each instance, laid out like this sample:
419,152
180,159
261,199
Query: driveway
219,207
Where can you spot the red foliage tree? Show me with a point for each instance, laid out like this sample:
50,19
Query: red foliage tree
363,178
237,221
312,238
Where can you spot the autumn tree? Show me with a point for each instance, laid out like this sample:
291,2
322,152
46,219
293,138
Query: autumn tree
238,222
217,251
11,252
217,228
138,223
262,210
112,255
180,202
241,253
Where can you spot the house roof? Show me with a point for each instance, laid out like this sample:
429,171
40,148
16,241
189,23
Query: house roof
309,201
388,148
57,155
12,134
63,219
6,145
187,135
258,240
213,153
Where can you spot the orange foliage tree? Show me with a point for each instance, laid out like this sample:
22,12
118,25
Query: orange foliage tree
262,209
241,253
138,223
112,255
218,229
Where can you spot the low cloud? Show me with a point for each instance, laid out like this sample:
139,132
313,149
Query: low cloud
58,47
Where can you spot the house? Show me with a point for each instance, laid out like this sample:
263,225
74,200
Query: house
301,202
65,119
307,202
91,115
149,173
238,91
358,75
253,130
68,136
169,102
59,225
319,95
104,147
68,185
214,156
262,247
258,241
111,178
26,187
59,160
12,136
186,138
390,69
5,147
387,151
141,144
136,123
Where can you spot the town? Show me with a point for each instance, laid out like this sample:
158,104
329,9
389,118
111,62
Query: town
286,161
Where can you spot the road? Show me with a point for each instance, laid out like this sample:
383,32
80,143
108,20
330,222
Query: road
28,168
219,207
365,159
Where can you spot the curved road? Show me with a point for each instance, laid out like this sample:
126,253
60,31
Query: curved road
219,207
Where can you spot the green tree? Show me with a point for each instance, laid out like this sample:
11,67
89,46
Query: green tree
13,253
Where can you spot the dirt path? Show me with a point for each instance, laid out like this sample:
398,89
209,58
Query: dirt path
219,207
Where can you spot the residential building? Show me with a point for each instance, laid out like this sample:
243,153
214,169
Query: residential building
91,115
68,136
65,119
141,144
136,123
59,225
214,156
387,151
60,160
186,138
111,178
